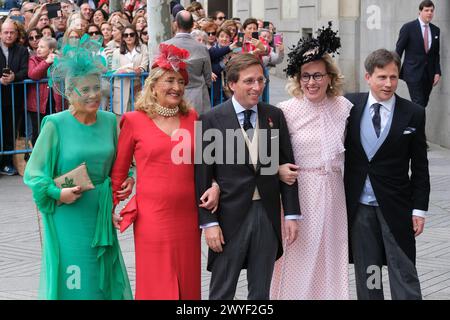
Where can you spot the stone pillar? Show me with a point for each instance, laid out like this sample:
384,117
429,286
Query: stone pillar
349,59
159,24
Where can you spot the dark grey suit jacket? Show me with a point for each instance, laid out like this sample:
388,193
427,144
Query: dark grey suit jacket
238,181
199,71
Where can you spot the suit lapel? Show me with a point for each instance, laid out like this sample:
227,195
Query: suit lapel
433,36
263,123
360,106
228,120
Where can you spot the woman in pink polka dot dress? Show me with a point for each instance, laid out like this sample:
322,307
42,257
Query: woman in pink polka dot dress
315,266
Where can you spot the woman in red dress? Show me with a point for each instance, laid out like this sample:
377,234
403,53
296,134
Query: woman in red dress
164,209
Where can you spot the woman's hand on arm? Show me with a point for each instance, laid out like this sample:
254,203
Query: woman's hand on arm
288,173
210,199
116,219
127,188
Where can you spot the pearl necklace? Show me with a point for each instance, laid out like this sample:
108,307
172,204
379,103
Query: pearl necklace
166,112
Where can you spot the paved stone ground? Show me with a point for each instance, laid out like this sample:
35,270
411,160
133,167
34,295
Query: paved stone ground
20,243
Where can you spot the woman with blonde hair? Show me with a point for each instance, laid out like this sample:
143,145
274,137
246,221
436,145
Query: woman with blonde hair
76,21
164,209
72,35
315,266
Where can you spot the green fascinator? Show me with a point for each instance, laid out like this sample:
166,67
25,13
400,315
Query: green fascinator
76,60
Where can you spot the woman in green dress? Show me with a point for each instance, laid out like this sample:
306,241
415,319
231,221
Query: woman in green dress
81,255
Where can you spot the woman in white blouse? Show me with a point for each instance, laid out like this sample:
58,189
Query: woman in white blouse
130,57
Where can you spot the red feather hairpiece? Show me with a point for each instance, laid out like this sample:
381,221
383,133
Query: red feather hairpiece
171,58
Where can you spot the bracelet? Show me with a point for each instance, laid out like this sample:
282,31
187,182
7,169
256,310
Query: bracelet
130,174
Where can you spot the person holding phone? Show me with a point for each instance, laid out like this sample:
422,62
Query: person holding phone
14,66
276,55
220,54
232,27
53,10
27,11
253,43
40,17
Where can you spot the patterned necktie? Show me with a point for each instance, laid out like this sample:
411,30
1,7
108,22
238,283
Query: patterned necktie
247,122
426,39
377,118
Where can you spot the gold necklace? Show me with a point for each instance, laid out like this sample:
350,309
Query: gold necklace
166,112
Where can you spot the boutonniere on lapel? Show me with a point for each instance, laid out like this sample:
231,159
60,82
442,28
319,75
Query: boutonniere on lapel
270,122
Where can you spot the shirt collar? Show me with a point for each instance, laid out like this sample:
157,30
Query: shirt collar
5,48
388,105
422,24
238,108
133,52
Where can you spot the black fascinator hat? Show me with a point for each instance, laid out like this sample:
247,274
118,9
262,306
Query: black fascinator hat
311,49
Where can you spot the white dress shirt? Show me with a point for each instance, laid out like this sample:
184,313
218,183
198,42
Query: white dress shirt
422,27
385,112
132,54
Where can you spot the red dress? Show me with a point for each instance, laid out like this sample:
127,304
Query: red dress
166,231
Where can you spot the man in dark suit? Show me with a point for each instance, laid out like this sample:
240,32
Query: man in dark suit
14,67
250,141
386,204
419,40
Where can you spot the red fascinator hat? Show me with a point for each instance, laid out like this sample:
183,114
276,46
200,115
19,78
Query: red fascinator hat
172,58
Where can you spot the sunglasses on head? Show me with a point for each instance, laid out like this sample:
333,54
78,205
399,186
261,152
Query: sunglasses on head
129,35
34,38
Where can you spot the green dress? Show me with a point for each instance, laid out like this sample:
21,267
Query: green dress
81,256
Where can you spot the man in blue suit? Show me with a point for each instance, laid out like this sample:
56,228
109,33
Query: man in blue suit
419,40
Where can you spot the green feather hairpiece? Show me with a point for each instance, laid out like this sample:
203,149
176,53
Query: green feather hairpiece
77,60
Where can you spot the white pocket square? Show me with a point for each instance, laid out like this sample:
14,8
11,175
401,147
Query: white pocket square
409,131
437,37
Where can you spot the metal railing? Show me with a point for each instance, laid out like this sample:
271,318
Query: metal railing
21,118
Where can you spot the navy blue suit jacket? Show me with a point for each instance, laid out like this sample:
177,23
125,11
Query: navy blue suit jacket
417,62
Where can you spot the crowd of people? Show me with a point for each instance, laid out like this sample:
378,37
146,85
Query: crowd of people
351,180
124,36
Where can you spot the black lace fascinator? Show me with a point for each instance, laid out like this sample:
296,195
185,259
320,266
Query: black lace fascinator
311,49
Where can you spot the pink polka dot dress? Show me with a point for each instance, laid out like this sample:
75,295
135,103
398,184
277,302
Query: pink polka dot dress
315,266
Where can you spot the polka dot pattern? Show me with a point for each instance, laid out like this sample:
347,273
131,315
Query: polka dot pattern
315,266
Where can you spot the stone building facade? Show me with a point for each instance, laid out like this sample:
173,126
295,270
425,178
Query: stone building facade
364,26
